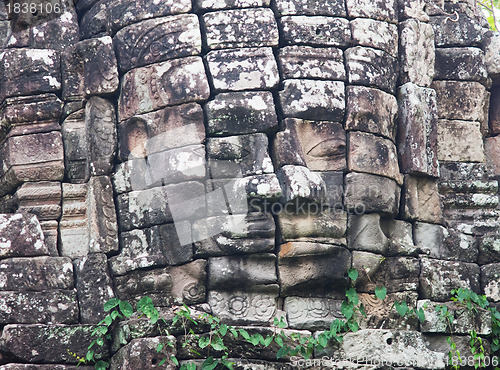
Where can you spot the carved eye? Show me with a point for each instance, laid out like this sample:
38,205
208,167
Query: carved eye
327,148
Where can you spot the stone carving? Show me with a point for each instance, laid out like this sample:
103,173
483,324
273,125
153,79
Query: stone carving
89,68
312,313
158,85
157,40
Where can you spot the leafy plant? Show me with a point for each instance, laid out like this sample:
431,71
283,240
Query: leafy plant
491,8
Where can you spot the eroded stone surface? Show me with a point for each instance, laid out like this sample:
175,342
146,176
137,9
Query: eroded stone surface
380,9
225,29
438,278
315,30
459,141
371,67
490,277
243,69
142,353
418,130
21,236
157,40
467,32
371,110
300,183
313,100
491,45
316,225
420,200
309,62
375,34
372,154
167,83
417,52
230,4
311,7
466,64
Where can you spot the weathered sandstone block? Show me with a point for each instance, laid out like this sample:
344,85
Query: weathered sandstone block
309,62
315,30
375,34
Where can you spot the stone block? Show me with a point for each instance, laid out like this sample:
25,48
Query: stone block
12,366
248,153
313,100
36,274
466,32
372,154
312,270
43,199
238,113
398,347
366,233
287,149
400,234
88,223
299,183
167,128
167,83
439,343
95,21
396,274
371,67
309,62
258,305
311,7
89,138
29,72
315,30
371,193
417,52
30,115
125,12
494,113
166,286
162,243
49,343
142,353
239,28
489,249
21,236
380,9
418,130
243,69
313,225
234,234
491,47
490,281
156,40
334,185
311,313
375,34
5,32
230,4
35,157
57,306
51,232
438,278
93,286
415,9
420,200
461,100
89,68
492,154
323,143
371,110
466,64
233,272
461,321
438,242
57,31
459,141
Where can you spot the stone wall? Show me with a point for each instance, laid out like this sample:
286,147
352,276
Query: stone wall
240,156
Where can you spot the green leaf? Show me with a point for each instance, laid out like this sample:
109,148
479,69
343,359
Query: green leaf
234,332
268,340
100,341
112,303
401,308
381,293
126,308
323,341
353,325
352,295
203,342
101,365
244,334
218,344
174,360
144,303
89,356
209,364
162,362
353,274
115,314
254,339
421,314
159,347
279,341
223,329
283,351
347,310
